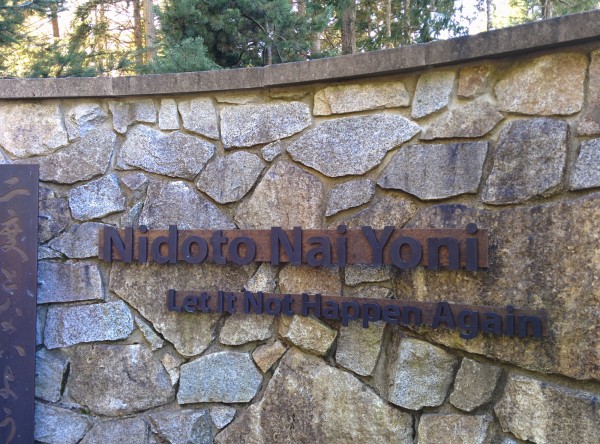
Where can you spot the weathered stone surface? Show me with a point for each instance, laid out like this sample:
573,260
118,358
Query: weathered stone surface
29,129
115,380
371,291
69,281
348,195
473,119
54,425
436,171
474,80
126,113
421,375
356,97
307,333
190,333
309,401
82,118
83,159
286,197
586,173
548,85
263,280
200,116
474,385
540,258
227,377
183,426
529,160
385,211
272,151
66,326
265,356
589,123
40,323
130,430
97,198
539,411
454,429
174,154
358,348
153,339
172,364
248,125
242,328
222,415
79,242
177,203
50,370
136,181
53,217
432,93
352,145
357,274
237,99
307,279
228,178
168,117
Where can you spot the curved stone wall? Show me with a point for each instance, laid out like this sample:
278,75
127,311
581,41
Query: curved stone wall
507,139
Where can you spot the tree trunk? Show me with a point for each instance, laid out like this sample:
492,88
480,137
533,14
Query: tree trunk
137,32
348,17
54,19
388,24
149,30
488,11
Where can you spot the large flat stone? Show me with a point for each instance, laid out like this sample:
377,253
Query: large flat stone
83,159
586,172
70,325
539,411
548,85
265,356
174,154
385,211
54,217
529,161
69,282
127,112
307,333
145,288
589,123
200,116
436,171
178,203
242,328
454,429
30,129
79,241
248,125
115,380
97,198
286,197
168,116
540,258
473,119
358,348
421,375
474,80
343,99
307,279
474,384
84,117
432,93
50,368
348,195
55,425
129,430
357,274
183,426
309,401
227,377
228,178
352,145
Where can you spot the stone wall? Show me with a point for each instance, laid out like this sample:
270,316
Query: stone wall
511,143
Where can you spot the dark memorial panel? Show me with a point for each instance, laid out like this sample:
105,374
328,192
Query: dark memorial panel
18,289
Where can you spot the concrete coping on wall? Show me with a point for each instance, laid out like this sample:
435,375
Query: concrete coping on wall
560,31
